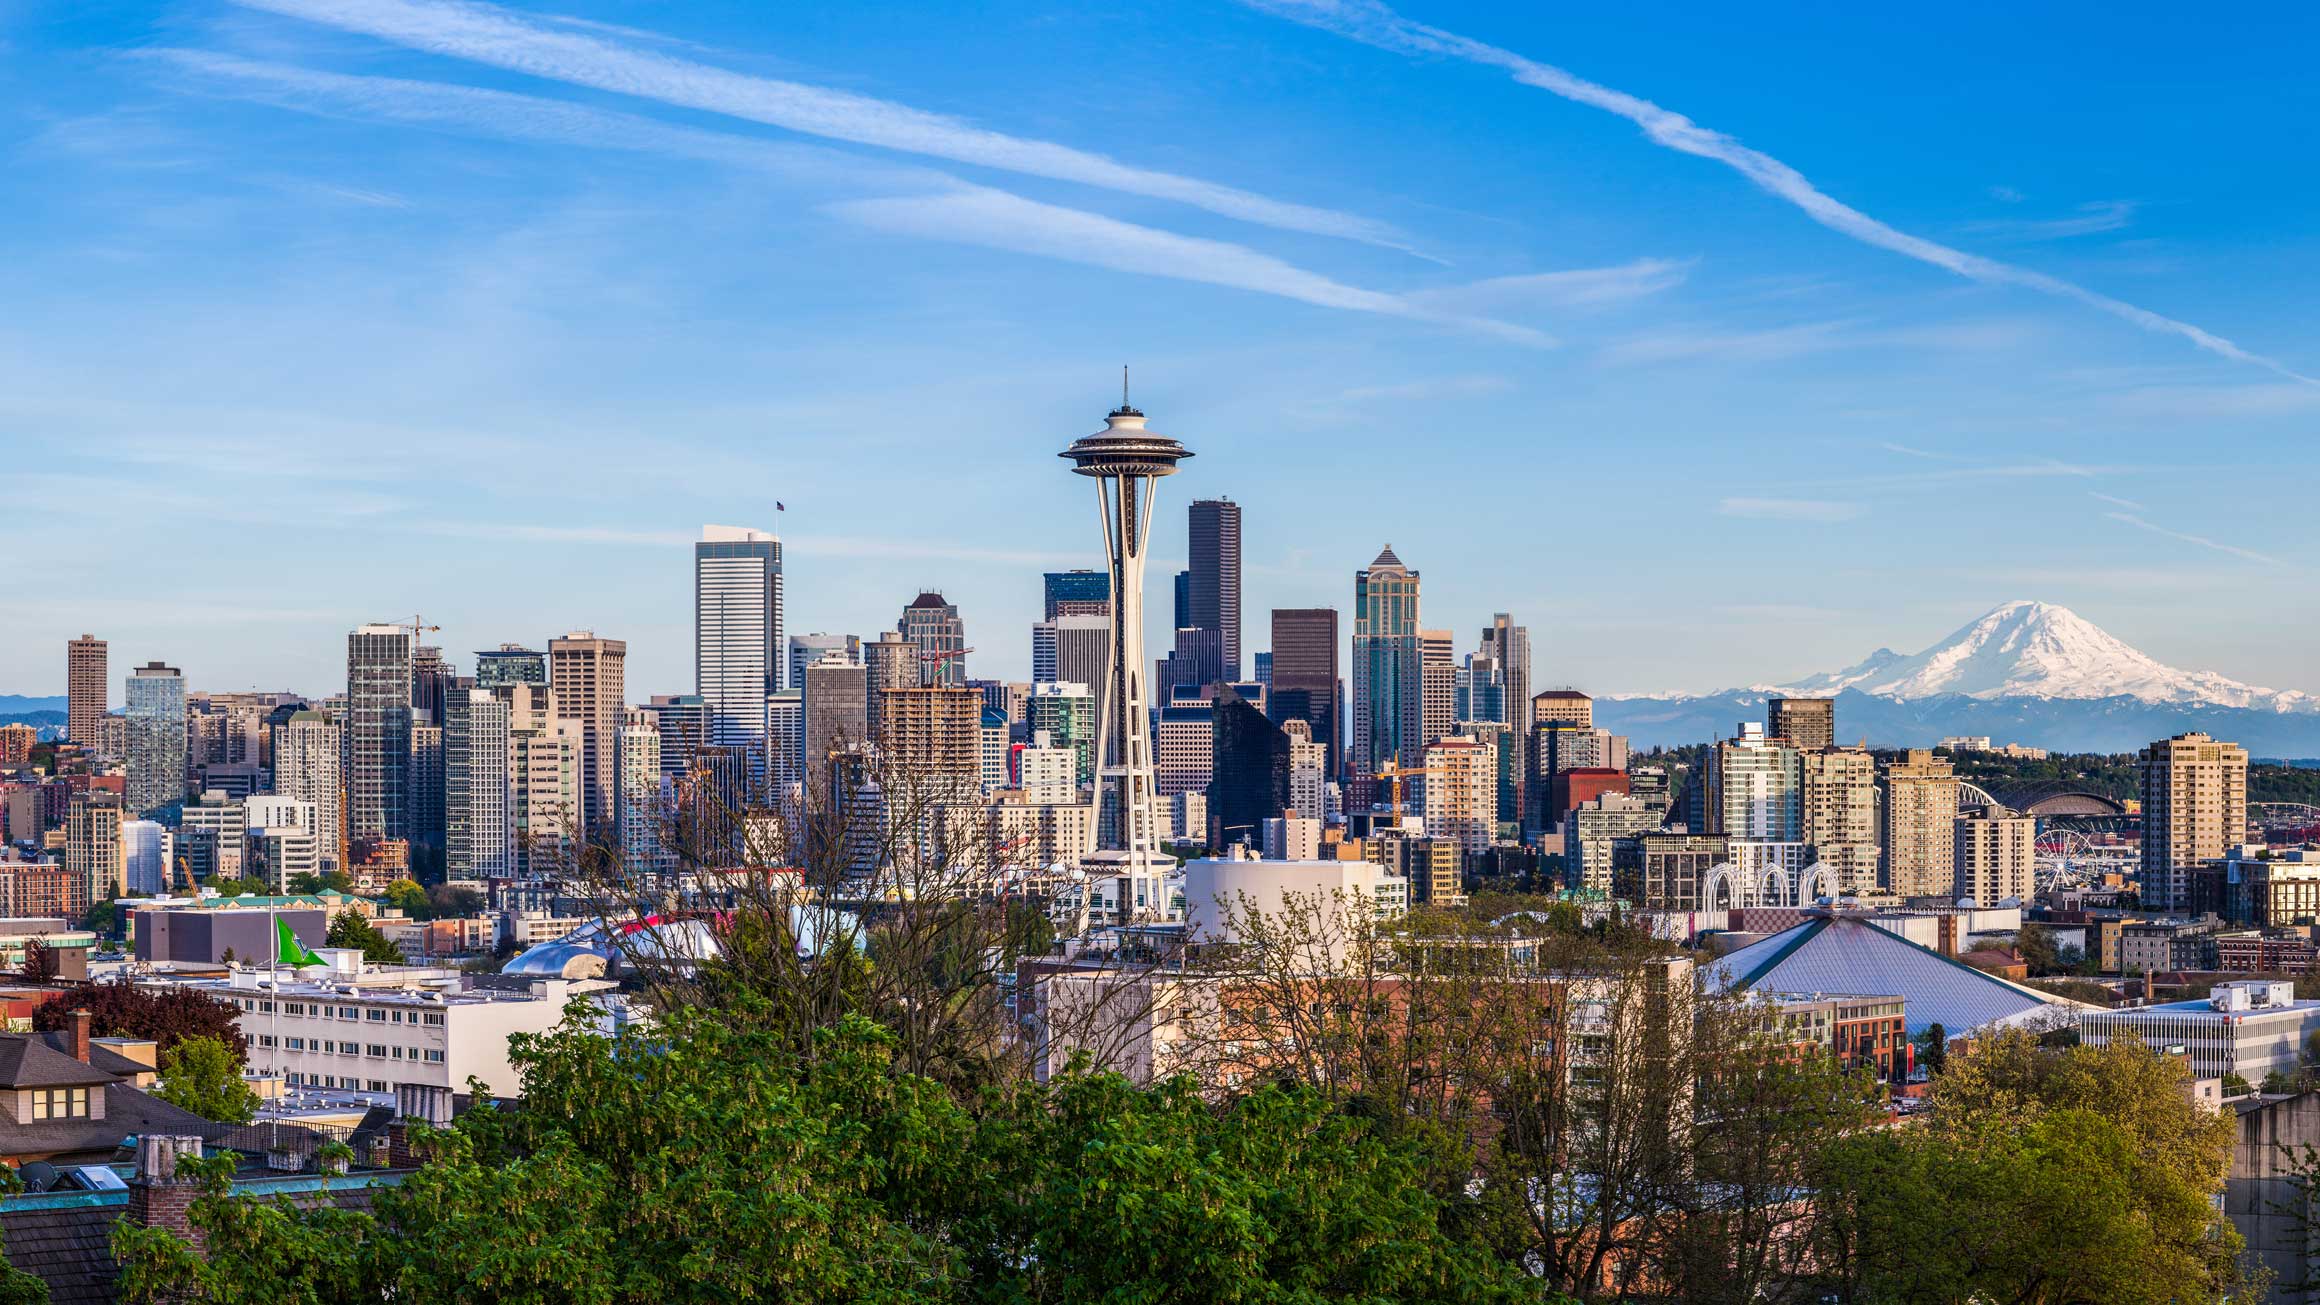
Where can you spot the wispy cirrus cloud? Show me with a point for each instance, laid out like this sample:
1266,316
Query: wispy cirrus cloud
1586,287
489,35
996,219
1789,509
2091,220
2115,501
1373,23
936,205
2202,541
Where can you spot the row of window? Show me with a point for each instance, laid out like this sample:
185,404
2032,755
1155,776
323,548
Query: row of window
326,1081
431,1055
60,1103
320,1010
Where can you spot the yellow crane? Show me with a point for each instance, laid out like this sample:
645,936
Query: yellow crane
1393,771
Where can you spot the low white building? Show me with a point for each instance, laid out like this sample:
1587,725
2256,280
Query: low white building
338,1031
1220,892
2248,1028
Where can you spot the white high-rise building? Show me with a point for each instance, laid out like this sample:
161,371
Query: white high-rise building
282,842
1047,773
306,766
785,736
1461,793
478,797
146,848
737,640
644,848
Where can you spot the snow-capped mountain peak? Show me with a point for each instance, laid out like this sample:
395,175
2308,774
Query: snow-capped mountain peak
2026,649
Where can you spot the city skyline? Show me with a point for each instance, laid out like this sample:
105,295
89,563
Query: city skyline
538,367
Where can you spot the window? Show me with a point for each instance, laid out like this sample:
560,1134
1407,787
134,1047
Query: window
398,1053
378,1051
349,1013
375,1016
265,1039
434,1057
433,1018
377,1084
60,1103
294,1044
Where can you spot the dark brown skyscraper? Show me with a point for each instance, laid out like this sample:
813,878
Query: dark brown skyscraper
1809,724
87,692
1216,575
1305,674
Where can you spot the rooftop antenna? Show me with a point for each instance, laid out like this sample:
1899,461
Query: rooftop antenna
1123,385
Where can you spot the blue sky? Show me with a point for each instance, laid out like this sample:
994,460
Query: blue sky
325,311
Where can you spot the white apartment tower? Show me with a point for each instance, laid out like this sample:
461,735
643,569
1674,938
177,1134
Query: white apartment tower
737,640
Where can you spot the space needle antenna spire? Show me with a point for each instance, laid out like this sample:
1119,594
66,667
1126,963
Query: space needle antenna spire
1127,460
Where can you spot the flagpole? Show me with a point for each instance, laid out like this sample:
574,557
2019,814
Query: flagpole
274,917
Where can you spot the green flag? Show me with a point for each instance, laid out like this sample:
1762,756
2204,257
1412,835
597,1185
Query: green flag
289,950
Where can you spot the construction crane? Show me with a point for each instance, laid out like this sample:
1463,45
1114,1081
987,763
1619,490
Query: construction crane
1393,771
417,625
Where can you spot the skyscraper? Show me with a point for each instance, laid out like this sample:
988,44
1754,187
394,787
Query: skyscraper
93,854
1389,701
934,739
1076,593
1126,461
638,824
1083,654
1249,779
1438,669
931,624
1921,810
1216,576
431,680
1305,676
888,662
378,732
806,649
2194,806
1809,723
837,709
1066,713
588,681
86,689
1509,645
510,663
1996,857
308,750
479,794
156,728
1840,814
737,641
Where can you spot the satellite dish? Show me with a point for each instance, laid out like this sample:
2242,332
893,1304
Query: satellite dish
39,1176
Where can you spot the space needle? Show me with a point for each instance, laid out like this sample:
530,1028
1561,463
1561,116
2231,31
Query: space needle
1127,461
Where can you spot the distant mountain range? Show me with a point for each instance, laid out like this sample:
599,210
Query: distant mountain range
2024,672
15,707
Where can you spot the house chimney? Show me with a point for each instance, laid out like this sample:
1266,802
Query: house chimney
160,1196
80,1036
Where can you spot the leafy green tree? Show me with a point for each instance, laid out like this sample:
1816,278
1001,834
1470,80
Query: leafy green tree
707,1161
407,896
204,1076
2235,1086
1933,1049
2034,943
305,881
350,929
102,919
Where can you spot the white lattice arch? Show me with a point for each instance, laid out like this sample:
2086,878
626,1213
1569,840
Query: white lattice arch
1819,881
1772,886
1722,873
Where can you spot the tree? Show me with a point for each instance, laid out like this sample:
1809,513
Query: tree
165,1016
305,881
203,1075
706,1161
40,962
408,897
2034,943
349,929
102,918
2235,1086
1933,1049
